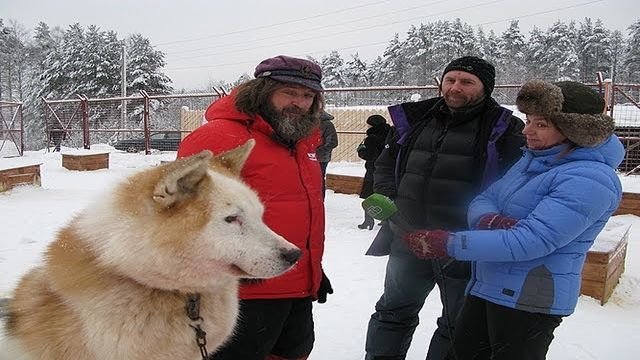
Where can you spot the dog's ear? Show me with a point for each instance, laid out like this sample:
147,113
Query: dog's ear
234,159
181,179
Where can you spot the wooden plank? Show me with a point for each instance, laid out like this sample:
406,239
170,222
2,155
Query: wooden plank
597,257
19,179
611,282
594,272
592,288
85,162
22,175
630,204
604,264
345,184
616,260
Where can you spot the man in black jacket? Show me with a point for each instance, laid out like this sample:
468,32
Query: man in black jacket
442,153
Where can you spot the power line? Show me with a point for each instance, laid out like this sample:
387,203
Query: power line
374,26
316,28
541,12
276,24
326,35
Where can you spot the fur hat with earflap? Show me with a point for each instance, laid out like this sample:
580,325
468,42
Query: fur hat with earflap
574,108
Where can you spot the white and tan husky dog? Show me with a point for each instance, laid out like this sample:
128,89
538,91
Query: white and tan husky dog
116,281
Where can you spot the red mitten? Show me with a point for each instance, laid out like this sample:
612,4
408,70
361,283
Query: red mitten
492,221
428,244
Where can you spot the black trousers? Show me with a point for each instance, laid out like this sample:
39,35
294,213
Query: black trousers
282,327
489,331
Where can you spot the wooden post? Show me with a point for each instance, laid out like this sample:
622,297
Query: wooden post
608,96
145,118
84,109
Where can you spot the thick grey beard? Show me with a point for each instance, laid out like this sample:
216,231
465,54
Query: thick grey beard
291,124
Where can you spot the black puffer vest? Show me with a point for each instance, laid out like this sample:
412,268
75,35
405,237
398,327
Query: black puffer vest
441,167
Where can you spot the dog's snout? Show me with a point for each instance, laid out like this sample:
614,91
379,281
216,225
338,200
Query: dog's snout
290,255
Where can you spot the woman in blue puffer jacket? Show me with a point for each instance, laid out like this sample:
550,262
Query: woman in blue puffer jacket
543,217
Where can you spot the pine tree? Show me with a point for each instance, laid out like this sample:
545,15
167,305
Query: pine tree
617,53
375,76
593,48
144,67
415,49
632,53
491,49
561,56
13,61
535,55
355,72
333,70
511,55
394,66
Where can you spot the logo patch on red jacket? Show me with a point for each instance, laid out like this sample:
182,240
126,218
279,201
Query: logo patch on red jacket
312,156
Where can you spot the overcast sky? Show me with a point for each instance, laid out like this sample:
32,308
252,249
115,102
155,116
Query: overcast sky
211,40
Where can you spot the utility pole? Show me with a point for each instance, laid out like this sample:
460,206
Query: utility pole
123,85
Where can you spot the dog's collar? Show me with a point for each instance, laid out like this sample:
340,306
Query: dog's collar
193,312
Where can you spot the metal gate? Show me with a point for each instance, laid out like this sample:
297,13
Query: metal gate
11,129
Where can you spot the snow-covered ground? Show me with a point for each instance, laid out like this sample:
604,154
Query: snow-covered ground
30,216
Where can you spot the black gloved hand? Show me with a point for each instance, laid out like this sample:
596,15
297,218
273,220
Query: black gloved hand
325,288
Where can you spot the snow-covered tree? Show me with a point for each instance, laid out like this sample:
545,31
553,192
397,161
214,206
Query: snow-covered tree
617,53
415,48
632,53
491,48
394,66
561,56
144,67
13,61
355,72
593,48
375,76
535,55
511,55
333,70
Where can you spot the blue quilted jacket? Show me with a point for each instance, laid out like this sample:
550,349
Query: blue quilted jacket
562,201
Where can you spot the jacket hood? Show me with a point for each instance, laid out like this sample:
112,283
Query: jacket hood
610,152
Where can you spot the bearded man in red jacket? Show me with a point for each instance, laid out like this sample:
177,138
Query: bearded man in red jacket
280,109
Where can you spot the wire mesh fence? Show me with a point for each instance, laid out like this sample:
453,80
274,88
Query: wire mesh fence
131,123
146,122
625,109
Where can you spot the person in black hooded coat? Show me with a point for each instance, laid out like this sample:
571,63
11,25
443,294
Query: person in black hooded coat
368,151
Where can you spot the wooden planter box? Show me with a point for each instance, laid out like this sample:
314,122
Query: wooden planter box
85,161
630,204
605,262
344,184
21,175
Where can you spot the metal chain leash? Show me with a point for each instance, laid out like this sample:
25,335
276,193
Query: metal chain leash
193,312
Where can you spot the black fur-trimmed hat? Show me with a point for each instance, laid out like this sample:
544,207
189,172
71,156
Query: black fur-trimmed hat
574,108
476,66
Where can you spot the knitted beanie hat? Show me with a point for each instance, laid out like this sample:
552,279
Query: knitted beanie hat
476,66
574,108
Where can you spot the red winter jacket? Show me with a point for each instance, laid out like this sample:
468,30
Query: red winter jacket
288,181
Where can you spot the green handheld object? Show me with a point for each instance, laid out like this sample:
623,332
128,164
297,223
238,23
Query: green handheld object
379,207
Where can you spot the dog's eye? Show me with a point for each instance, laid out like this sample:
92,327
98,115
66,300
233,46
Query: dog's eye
231,218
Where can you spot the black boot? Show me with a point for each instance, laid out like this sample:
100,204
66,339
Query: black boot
368,222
